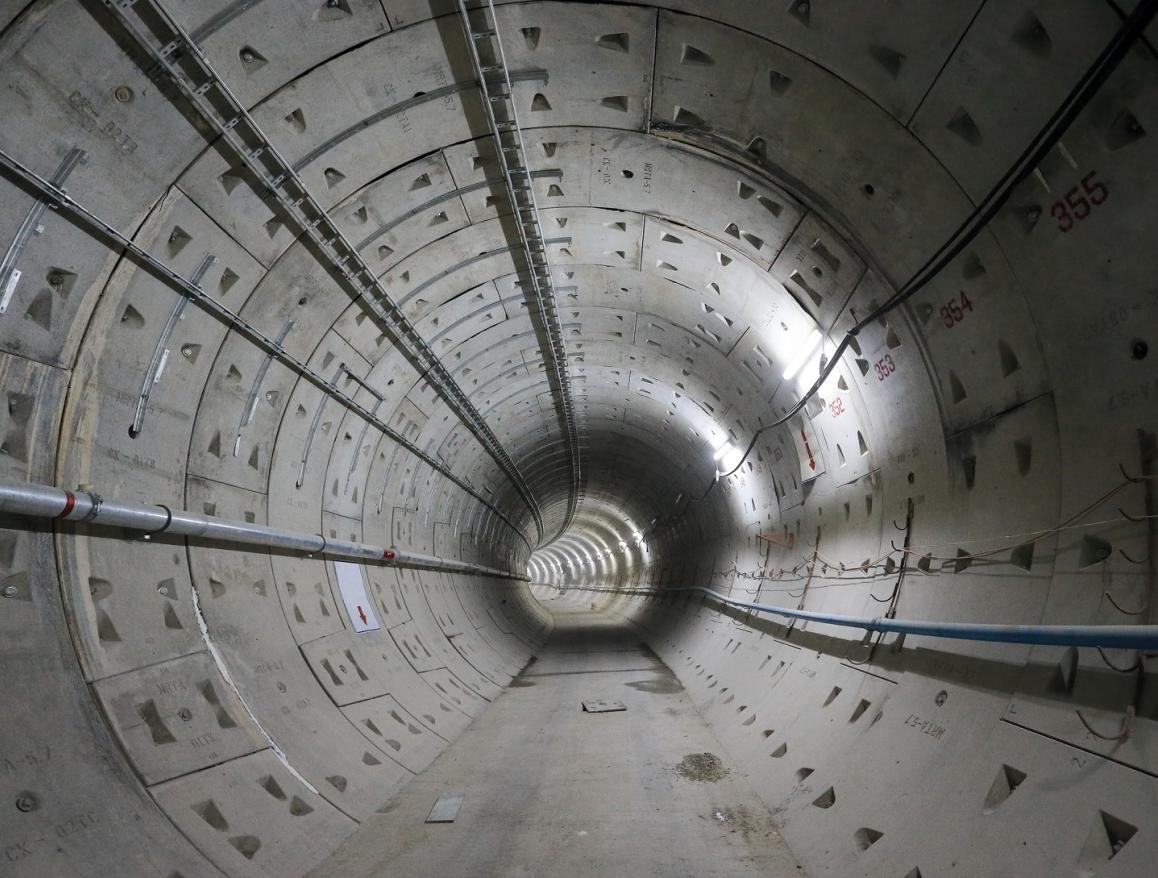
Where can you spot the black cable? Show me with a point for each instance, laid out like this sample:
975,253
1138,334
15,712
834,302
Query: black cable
1087,86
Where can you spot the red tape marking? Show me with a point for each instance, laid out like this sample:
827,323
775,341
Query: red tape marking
69,504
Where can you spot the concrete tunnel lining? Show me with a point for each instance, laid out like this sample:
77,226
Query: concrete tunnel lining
713,183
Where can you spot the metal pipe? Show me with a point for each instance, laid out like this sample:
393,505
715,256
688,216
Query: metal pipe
1143,637
44,501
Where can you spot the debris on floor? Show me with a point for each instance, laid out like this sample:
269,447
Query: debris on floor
603,706
446,808
702,767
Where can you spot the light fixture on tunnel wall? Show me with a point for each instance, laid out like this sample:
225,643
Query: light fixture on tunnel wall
727,456
803,354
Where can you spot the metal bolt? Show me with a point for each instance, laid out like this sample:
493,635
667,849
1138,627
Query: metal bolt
162,590
1033,214
27,802
123,93
247,56
1140,349
941,698
10,591
185,714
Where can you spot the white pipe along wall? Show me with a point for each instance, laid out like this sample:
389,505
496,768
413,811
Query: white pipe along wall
806,344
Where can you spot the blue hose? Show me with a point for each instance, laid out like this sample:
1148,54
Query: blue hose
1143,637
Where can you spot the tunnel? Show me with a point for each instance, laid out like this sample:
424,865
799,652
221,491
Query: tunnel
470,438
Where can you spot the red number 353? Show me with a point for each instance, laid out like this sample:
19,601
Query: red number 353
884,367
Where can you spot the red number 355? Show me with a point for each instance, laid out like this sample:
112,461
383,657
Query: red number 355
1074,206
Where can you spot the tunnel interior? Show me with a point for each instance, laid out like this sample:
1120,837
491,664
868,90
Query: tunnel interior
267,264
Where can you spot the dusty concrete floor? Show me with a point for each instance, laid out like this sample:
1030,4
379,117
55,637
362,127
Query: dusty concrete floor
551,790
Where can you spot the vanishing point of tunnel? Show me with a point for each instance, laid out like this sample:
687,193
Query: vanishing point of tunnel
511,439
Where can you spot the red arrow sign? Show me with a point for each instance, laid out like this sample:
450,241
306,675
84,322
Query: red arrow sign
361,614
811,459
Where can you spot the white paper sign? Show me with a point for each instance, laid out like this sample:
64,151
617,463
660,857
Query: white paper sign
353,589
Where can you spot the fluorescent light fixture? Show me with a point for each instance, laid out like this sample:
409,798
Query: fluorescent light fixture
730,459
803,354
722,450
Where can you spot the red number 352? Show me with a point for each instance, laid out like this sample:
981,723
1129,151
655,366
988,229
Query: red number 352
1074,206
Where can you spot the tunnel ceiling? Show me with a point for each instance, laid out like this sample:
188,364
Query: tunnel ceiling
690,266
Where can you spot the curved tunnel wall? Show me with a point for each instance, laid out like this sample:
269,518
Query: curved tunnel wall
713,184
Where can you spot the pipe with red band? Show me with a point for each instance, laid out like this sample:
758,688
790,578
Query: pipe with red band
43,501
69,504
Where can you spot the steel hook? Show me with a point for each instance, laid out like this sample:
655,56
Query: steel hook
1128,477
1123,553
1137,662
1124,732
1122,609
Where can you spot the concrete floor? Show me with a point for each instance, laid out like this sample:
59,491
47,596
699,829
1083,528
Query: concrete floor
552,790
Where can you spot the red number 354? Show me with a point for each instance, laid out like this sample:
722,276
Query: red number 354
1074,206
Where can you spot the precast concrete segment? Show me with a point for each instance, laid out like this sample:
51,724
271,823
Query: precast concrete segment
57,197
551,789
175,54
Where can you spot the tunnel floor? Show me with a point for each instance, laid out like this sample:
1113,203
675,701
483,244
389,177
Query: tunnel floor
553,790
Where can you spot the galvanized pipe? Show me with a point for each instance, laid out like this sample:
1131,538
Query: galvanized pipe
44,501
1144,637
